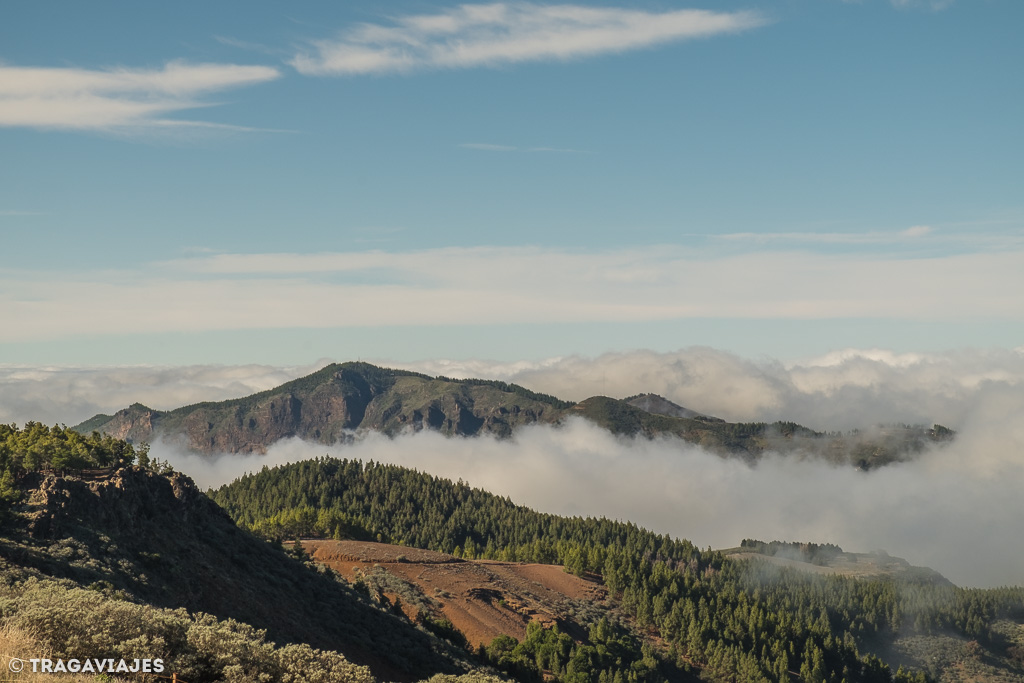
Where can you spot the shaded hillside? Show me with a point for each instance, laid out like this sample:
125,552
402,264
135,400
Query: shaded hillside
332,404
160,543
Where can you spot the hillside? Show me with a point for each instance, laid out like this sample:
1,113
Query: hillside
330,404
483,599
149,546
486,599
745,620
335,403
105,557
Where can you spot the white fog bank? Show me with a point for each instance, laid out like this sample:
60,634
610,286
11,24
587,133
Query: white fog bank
956,509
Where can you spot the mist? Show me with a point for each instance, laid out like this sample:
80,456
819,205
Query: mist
69,395
847,389
956,508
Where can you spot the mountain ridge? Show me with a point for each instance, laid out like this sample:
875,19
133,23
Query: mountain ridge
334,403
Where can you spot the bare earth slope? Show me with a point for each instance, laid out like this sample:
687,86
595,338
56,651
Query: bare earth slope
483,599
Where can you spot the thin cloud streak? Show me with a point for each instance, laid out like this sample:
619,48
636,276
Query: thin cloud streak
871,237
490,35
538,285
117,100
934,5
487,147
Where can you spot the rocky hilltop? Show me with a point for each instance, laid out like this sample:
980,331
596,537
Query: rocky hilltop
328,405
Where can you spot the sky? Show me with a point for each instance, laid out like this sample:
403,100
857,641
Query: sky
807,210
255,183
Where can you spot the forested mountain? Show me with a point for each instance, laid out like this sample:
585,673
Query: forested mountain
726,620
330,405
105,559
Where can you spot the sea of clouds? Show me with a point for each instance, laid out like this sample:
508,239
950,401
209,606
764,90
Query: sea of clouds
955,508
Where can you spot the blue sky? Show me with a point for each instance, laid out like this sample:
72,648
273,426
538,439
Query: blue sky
260,182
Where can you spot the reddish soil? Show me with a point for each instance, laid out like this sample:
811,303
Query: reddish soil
483,599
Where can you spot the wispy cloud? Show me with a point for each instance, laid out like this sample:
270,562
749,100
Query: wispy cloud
935,5
537,285
923,238
483,146
487,147
563,150
870,237
117,100
505,33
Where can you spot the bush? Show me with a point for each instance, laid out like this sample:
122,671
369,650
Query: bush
73,622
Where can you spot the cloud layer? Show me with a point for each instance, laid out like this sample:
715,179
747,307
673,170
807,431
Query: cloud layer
506,33
839,391
53,395
120,99
843,390
537,285
954,508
